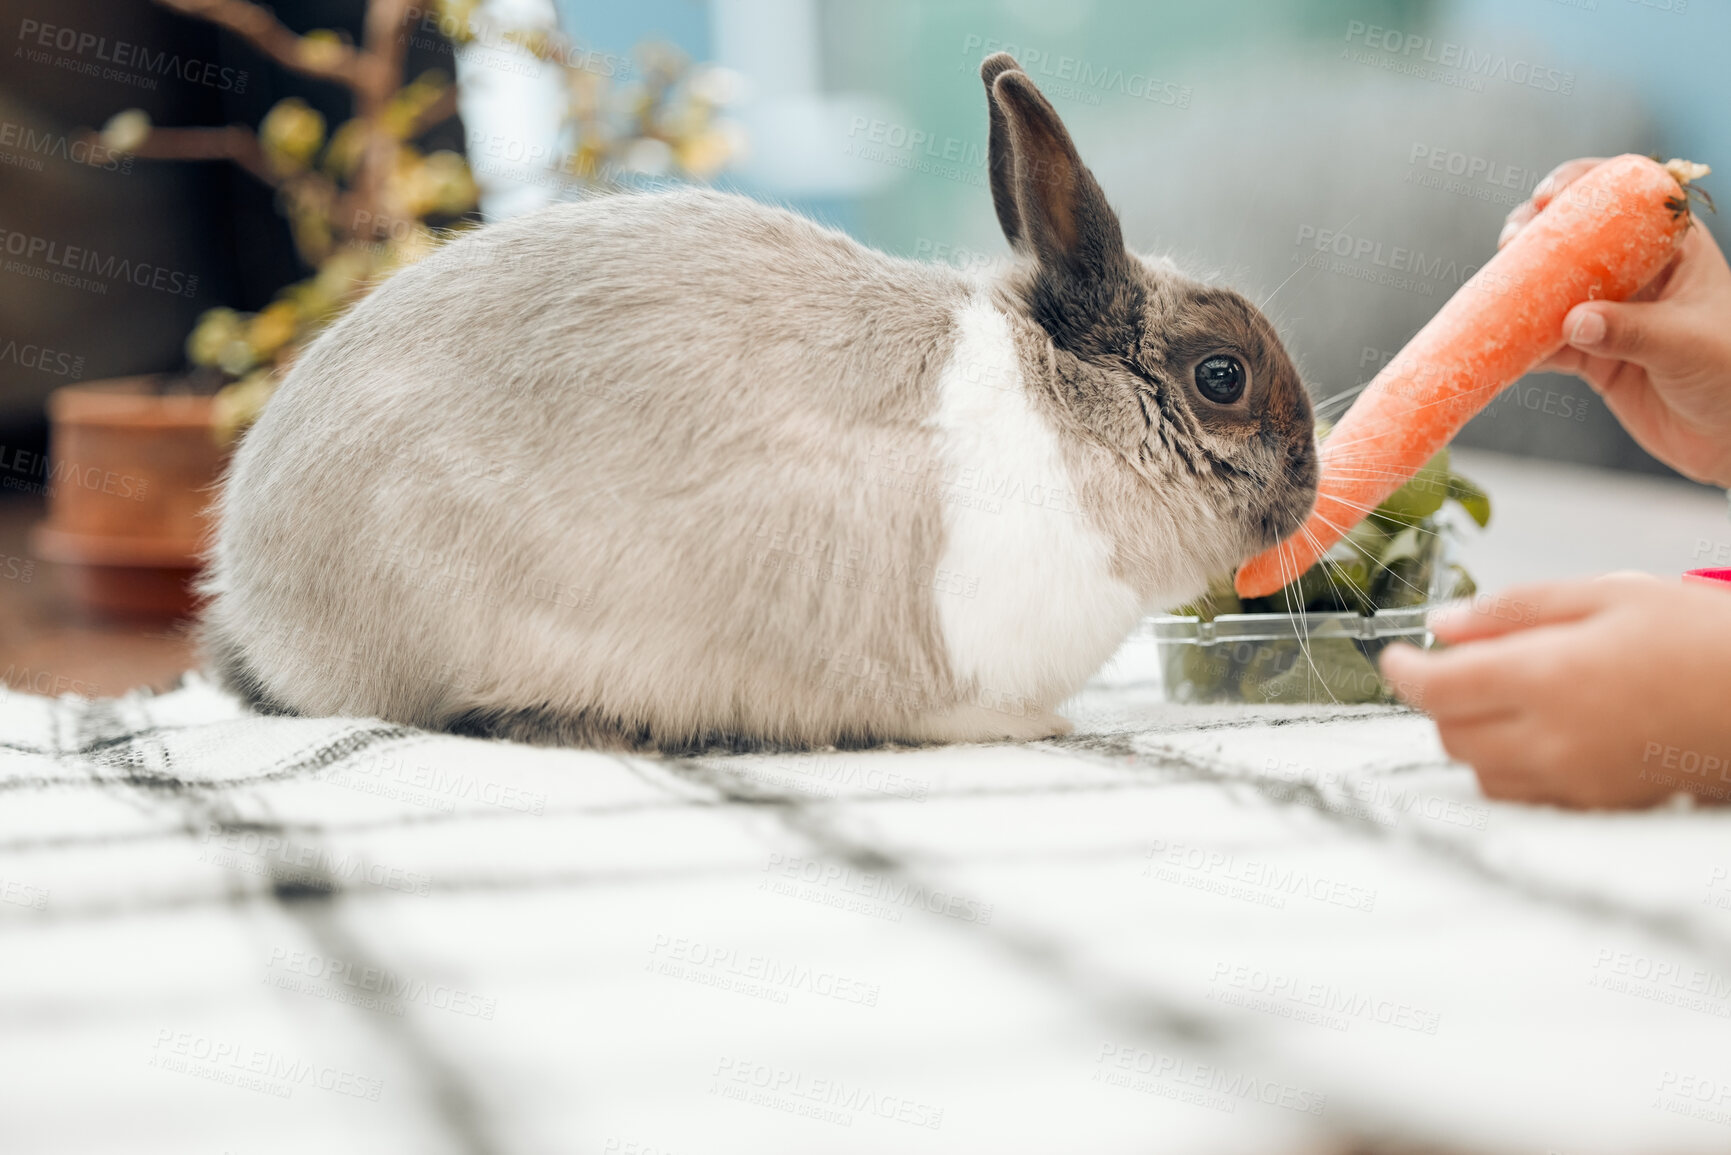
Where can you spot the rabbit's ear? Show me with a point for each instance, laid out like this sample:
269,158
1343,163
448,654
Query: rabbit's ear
1000,161
1061,216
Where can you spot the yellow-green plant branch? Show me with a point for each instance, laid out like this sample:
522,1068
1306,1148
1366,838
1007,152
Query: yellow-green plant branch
358,194
436,113
231,142
325,59
383,50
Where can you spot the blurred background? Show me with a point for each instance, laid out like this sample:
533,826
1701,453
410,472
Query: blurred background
1348,163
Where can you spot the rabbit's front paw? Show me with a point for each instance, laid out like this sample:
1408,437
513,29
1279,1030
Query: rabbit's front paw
974,723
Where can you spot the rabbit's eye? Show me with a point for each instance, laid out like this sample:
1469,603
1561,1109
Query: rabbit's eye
1221,379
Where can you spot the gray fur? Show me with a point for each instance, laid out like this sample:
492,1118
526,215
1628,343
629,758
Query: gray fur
610,474
617,406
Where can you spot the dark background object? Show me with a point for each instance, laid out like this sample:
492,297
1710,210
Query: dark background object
211,229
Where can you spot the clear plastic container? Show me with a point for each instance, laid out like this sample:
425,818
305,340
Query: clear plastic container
1292,658
1327,657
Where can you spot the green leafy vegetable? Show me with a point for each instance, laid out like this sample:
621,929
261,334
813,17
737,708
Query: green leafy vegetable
1470,498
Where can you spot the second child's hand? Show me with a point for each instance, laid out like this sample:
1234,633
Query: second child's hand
1603,693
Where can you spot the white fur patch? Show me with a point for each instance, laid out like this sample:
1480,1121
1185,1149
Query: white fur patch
1047,610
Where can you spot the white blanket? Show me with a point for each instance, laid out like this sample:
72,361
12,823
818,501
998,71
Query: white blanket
1183,929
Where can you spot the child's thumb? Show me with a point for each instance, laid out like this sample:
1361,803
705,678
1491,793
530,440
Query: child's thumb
1638,331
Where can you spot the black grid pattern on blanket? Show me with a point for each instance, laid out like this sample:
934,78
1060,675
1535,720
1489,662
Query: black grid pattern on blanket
1180,929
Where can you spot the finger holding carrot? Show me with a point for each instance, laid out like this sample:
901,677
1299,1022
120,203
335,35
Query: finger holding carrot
1662,360
1544,192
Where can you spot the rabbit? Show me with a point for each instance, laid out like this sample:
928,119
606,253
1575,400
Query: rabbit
666,470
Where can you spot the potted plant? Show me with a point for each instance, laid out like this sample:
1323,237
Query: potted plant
360,201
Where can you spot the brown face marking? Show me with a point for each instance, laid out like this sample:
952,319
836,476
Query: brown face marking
1203,322
1263,445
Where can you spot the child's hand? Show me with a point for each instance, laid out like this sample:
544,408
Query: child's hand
1661,361
1601,693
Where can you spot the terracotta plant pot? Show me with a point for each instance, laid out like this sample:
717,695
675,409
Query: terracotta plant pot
129,474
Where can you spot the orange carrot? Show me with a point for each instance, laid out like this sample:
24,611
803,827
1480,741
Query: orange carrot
1602,238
